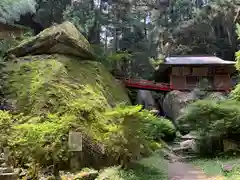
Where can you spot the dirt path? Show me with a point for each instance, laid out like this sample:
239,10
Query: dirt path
185,171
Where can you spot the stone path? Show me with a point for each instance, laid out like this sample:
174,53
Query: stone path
184,171
178,168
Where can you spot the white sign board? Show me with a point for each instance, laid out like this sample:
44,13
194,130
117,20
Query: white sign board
75,141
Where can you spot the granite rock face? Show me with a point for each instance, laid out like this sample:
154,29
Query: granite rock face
60,39
52,64
175,101
54,73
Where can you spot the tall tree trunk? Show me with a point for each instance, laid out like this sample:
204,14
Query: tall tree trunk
95,30
106,40
145,26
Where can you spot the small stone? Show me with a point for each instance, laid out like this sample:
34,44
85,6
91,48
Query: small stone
91,175
190,144
228,168
6,170
8,176
18,170
190,137
4,165
154,111
23,173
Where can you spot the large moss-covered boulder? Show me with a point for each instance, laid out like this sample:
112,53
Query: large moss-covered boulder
47,83
61,39
175,101
54,67
54,86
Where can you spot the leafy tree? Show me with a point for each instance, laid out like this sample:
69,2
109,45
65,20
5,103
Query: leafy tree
50,11
11,10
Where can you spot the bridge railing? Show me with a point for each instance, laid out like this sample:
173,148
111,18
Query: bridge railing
144,82
147,84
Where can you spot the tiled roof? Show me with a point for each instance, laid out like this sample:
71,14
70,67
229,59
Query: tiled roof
196,60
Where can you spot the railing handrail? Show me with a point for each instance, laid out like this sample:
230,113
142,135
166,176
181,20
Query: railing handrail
142,82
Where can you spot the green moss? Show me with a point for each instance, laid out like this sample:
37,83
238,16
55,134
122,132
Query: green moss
49,83
151,168
62,39
57,94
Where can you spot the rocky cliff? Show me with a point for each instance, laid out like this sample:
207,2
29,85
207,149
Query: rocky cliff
52,69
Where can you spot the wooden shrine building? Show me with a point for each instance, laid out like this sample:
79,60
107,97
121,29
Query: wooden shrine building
187,72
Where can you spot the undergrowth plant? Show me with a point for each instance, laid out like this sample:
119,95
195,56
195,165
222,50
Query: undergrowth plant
125,133
57,94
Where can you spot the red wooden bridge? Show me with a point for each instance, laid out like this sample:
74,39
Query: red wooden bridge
145,84
156,86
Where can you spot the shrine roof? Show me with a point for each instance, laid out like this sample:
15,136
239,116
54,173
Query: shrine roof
194,60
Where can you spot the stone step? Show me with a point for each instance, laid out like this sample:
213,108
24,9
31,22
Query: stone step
181,149
2,160
6,170
189,137
187,158
8,176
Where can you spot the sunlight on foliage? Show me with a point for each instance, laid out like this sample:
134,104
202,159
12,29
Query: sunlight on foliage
238,52
57,94
119,56
151,168
235,94
141,129
213,117
156,62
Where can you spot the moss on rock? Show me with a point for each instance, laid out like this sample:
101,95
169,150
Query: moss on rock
58,88
53,94
47,83
61,39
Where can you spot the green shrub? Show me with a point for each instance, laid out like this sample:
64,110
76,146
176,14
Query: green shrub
151,168
159,128
6,123
140,130
235,93
213,120
125,132
219,118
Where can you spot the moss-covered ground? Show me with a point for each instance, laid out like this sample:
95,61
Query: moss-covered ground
215,167
151,168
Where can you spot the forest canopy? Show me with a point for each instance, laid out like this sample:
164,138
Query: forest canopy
11,10
145,29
